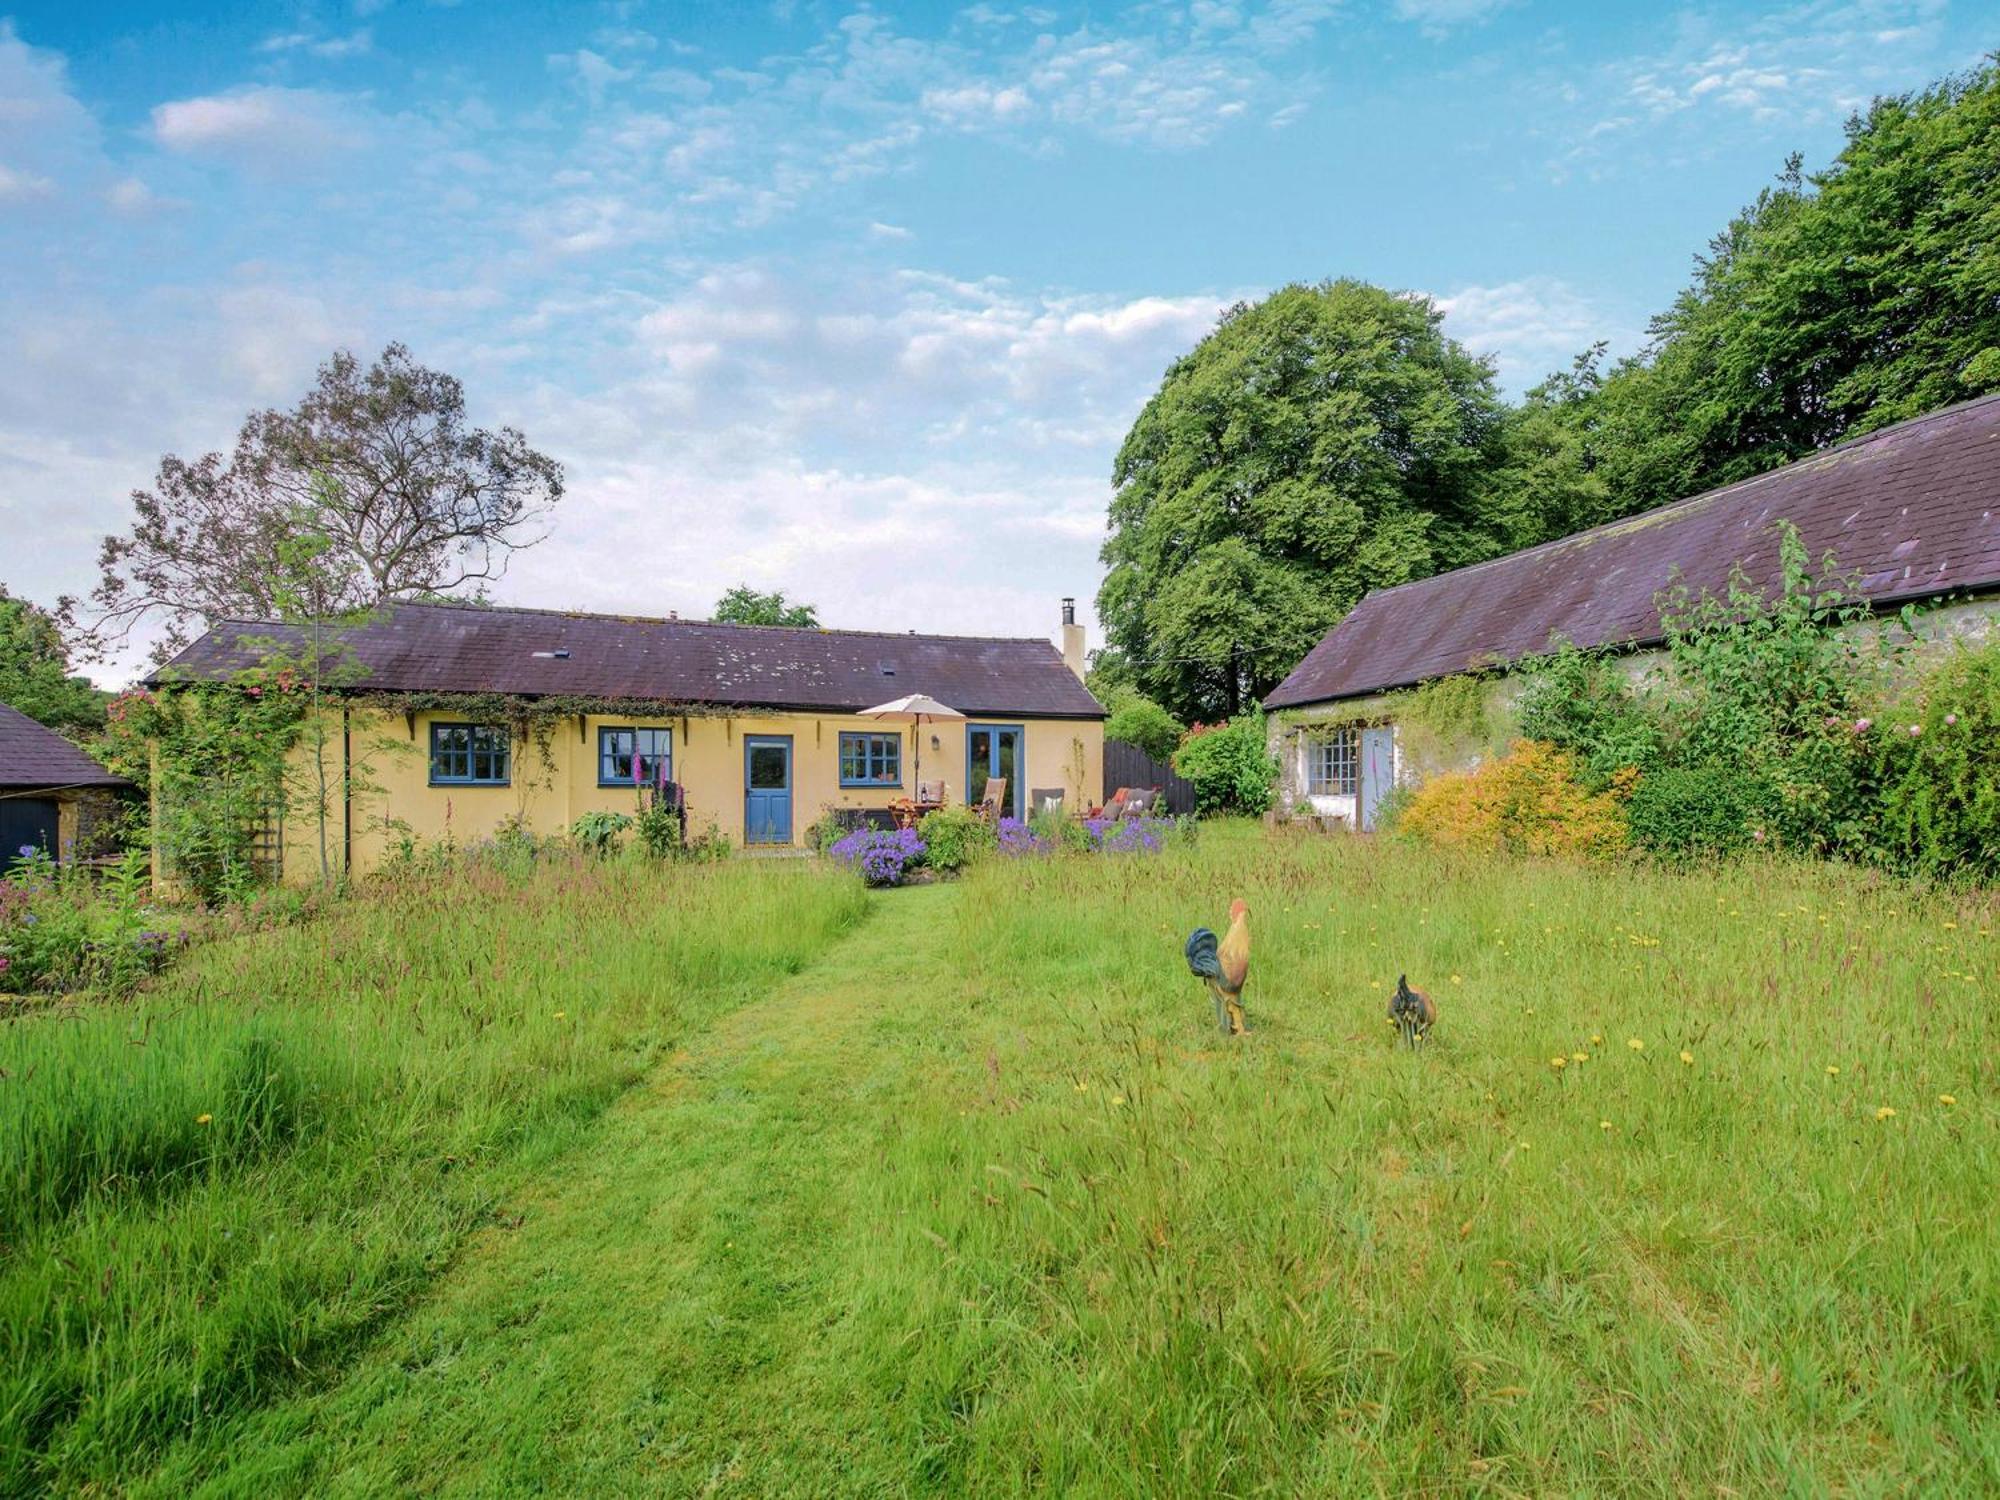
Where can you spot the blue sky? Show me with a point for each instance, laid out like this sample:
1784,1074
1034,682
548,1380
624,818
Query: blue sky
850,300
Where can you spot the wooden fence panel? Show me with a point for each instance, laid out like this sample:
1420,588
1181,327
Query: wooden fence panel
1128,765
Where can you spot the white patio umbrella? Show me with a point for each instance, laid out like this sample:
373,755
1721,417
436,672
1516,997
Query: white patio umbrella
915,709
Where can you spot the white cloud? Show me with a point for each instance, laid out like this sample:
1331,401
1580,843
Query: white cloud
18,184
354,44
1809,65
883,231
1530,327
1437,17
263,122
48,140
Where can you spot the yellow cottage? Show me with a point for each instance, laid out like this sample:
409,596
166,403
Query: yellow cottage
454,721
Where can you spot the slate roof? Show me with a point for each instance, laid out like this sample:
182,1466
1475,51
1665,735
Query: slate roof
34,756
543,653
1913,509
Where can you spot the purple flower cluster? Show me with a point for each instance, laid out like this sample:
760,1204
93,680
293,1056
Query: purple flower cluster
882,858
1127,835
1097,835
1017,839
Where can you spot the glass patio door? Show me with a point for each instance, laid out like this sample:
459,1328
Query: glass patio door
994,750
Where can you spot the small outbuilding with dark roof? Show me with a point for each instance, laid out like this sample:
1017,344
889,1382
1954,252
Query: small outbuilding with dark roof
52,795
1912,512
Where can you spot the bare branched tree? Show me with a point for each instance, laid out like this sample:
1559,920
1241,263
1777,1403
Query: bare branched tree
379,462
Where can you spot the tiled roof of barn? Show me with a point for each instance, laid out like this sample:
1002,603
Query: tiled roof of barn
1913,510
33,755
547,653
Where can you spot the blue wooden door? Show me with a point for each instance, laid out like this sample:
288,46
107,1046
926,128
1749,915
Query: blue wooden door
767,789
1378,773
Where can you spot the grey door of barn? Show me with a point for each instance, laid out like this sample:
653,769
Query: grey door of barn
1378,772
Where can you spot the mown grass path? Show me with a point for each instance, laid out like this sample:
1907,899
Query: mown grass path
660,1287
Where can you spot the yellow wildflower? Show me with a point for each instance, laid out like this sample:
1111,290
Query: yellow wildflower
1117,1099
1947,1099
1951,927
1579,1057
1558,1062
1596,1040
1636,1045
1082,1087
562,1015
1687,1057
1603,1124
1885,1113
203,1119
1455,979
1832,1071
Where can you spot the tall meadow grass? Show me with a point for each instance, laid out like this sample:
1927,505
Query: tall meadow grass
212,1192
1740,1234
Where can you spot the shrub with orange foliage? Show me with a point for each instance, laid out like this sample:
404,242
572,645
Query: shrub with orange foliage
1528,801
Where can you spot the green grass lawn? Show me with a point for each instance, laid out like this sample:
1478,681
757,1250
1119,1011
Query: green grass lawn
954,1190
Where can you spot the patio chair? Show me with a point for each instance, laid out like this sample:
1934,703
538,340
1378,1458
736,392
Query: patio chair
1139,802
932,793
1046,799
1114,805
993,805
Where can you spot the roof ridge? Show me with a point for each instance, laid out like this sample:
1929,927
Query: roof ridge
1689,502
467,607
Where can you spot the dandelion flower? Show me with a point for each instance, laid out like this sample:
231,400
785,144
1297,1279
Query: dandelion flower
203,1119
1082,1087
1832,1071
1603,1124
1885,1113
1636,1045
1947,1099
1579,1057
562,1015
1117,1099
1951,927
1558,1062
1596,1040
1455,979
1687,1057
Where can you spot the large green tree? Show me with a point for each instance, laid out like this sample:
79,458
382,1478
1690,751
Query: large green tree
35,674
1324,442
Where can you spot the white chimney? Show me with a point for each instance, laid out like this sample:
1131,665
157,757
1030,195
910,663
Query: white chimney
1072,639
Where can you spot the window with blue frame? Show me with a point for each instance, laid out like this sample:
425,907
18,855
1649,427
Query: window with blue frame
871,760
626,756
469,755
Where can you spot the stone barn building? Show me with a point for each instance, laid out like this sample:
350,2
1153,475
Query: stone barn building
1911,512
